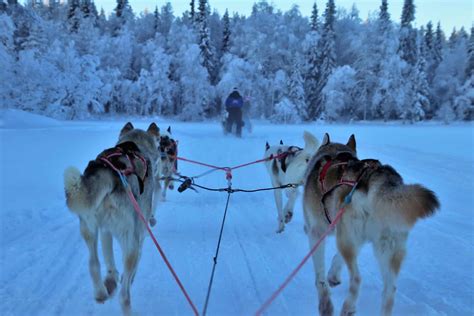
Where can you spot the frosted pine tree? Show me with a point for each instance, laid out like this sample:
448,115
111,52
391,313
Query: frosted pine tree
408,47
312,66
338,94
226,33
378,46
74,15
464,102
192,11
207,55
419,91
327,58
296,92
7,60
438,45
314,18
470,53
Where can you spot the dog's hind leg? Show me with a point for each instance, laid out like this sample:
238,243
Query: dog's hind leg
292,194
131,246
90,235
112,274
334,274
279,204
325,305
349,250
390,252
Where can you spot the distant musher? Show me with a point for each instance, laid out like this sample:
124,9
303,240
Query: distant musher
234,104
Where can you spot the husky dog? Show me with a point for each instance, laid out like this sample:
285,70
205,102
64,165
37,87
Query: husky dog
169,163
382,211
103,206
288,167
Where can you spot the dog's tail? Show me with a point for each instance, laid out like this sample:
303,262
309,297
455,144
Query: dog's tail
410,202
84,194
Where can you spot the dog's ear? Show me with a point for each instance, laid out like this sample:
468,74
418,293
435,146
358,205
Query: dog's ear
169,129
351,143
310,141
267,146
127,128
281,142
326,140
153,129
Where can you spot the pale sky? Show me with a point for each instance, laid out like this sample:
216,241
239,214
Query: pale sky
451,13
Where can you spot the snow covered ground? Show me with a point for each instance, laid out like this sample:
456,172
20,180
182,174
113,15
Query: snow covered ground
43,260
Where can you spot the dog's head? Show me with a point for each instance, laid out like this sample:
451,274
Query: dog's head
336,151
168,145
146,141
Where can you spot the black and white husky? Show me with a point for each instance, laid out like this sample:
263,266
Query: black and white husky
169,164
99,199
289,167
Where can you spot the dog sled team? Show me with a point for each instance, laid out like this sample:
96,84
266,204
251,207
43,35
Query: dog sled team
382,211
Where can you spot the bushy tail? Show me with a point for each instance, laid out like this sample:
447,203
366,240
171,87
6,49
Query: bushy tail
86,193
420,200
410,202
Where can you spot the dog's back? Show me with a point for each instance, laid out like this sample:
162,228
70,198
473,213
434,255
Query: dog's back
392,201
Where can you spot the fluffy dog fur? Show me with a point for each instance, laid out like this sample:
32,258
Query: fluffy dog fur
289,169
103,206
383,211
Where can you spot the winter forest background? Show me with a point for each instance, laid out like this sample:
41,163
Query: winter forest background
69,61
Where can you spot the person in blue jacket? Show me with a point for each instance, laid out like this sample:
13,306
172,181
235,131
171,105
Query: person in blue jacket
233,105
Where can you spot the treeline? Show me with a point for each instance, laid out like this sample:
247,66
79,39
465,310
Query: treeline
72,61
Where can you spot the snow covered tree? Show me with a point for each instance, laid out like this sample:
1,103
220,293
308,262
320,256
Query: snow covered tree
7,60
470,52
192,10
166,19
285,112
314,18
419,106
321,62
193,92
408,47
226,33
464,102
74,15
327,58
296,92
338,94
207,55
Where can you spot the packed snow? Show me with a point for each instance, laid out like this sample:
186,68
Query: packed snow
44,261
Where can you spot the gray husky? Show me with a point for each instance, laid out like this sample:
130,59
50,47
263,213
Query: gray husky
103,206
382,211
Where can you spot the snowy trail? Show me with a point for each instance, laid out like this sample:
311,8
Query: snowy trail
43,260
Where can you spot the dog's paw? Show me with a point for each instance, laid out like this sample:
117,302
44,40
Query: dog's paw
325,307
281,228
101,295
171,186
288,217
152,221
348,309
110,284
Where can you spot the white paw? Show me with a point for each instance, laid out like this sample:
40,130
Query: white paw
281,227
